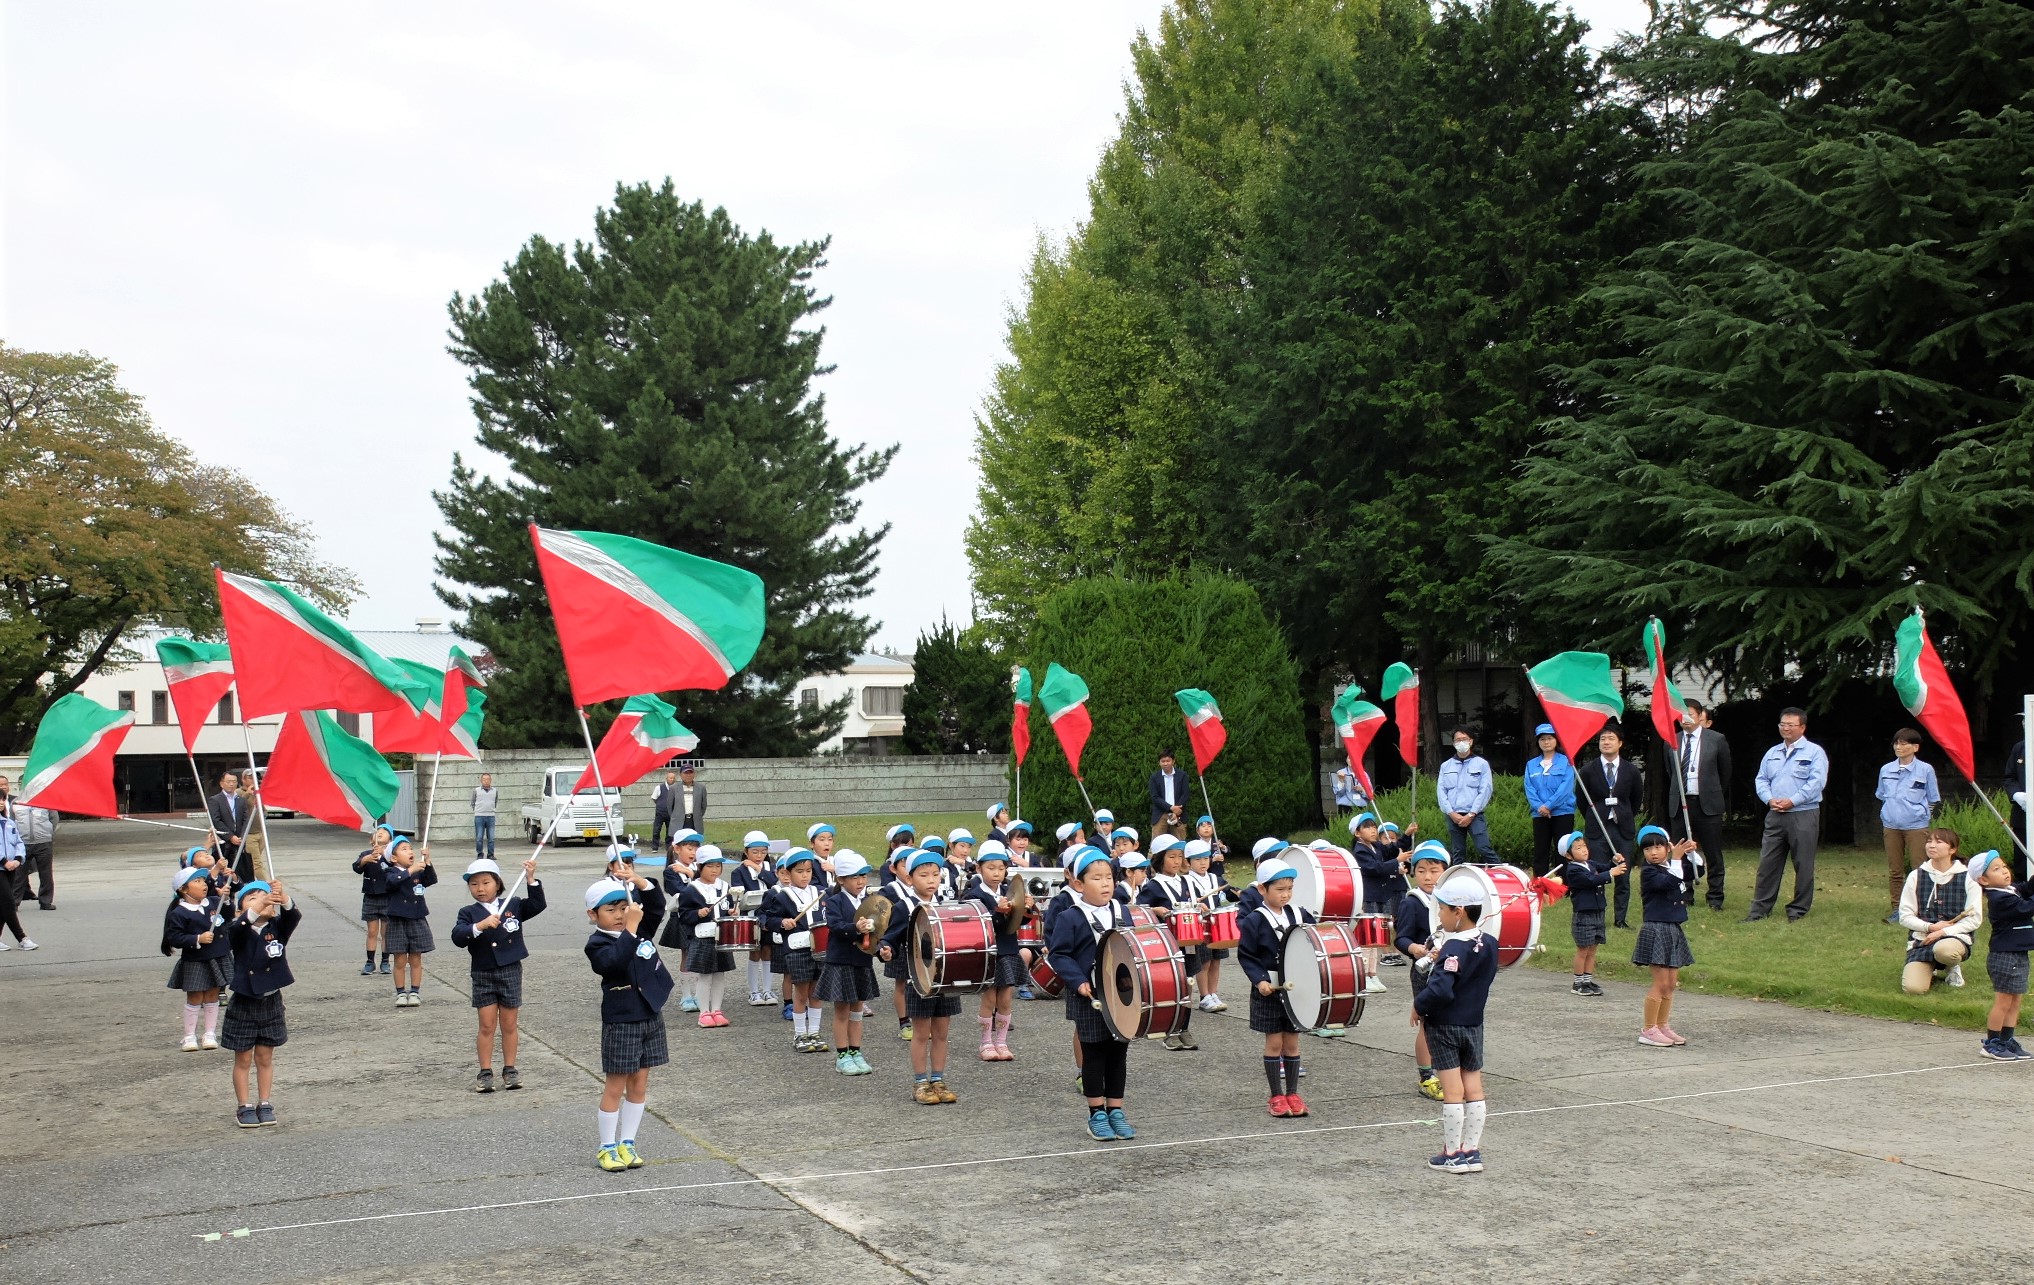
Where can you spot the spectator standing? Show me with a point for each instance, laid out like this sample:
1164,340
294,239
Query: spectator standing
662,800
691,808
1462,788
1550,797
1907,793
1168,798
1348,790
1613,791
486,804
229,818
11,862
1790,782
1702,795
38,840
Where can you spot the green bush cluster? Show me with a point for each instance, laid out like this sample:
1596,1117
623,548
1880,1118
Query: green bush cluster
1511,825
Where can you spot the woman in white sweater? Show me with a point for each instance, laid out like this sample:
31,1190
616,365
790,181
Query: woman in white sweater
1941,916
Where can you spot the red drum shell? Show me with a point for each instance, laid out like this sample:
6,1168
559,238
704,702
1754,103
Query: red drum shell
1330,883
1143,983
820,934
1373,930
1225,929
738,934
1189,927
953,948
1044,979
1511,910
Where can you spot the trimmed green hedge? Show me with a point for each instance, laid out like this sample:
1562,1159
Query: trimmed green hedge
1511,824
1136,643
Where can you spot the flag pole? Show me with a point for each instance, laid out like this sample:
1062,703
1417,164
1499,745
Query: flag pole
1593,811
1209,804
1084,796
545,838
169,825
1017,807
437,765
199,777
260,809
593,757
1993,808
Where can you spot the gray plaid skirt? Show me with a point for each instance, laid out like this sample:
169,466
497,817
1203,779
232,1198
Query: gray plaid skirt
1661,946
1586,926
1010,971
188,975
409,937
898,969
1268,1015
253,1020
846,984
777,953
373,905
916,1005
499,986
628,1047
799,965
1089,1028
2008,971
704,955
1455,1047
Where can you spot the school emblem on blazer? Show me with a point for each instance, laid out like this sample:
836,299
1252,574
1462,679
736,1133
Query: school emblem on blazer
511,924
274,949
646,950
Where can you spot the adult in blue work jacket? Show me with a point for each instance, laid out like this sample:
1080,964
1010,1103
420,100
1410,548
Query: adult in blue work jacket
1462,787
1790,782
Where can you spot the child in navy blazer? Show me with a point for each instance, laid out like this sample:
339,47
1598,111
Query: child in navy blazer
1417,921
790,910
624,909
1073,941
1449,1012
678,871
372,867
848,979
1586,876
1667,889
491,931
991,888
1261,952
255,1025
196,926
1168,892
2010,908
409,871
931,1015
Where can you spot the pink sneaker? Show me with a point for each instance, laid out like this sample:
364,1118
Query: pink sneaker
706,1019
720,1019
1654,1037
1673,1037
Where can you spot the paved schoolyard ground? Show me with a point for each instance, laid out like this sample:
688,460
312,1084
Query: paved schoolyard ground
1779,1145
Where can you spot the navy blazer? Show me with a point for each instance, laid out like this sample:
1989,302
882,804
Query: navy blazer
842,941
372,868
1459,985
977,891
1261,947
1155,895
633,980
1072,943
897,935
777,907
1381,875
1666,896
261,965
1250,898
188,921
2011,911
1586,881
406,891
1412,926
503,944
695,896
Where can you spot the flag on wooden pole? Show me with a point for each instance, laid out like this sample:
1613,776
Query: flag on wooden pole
199,674
288,655
1065,697
70,764
1924,687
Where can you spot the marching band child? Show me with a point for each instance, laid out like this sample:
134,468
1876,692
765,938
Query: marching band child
1206,887
753,874
1068,836
991,887
1393,846
1075,937
701,905
960,854
1383,877
196,926
848,979
256,1024
1019,843
1167,894
788,909
931,1015
893,891
1261,953
2010,907
1417,922
1448,1010
678,871
1105,830
1586,876
409,872
1122,842
634,984
372,867
1667,889
1136,878
822,839
1218,851
490,929
999,816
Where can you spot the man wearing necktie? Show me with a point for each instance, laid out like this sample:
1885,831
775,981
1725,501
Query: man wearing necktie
1612,791
229,817
1702,795
1790,782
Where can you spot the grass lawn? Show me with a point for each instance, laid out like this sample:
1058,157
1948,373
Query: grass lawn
1842,958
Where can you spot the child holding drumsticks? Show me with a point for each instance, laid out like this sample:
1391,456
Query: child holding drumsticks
1261,952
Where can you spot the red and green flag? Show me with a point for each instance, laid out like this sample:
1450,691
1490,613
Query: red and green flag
1205,728
199,675
637,617
316,768
1579,694
70,765
1925,689
463,680
1357,723
1065,698
288,655
413,727
1668,704
1401,686
1020,713
462,738
644,737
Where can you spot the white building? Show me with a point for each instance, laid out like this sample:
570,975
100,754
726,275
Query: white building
151,774
874,686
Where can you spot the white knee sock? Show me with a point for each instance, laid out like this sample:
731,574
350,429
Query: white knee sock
755,985
211,1018
610,1121
1451,1126
190,1021
716,991
688,984
631,1118
1472,1125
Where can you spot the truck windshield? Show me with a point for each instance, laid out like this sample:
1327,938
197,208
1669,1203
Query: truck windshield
562,781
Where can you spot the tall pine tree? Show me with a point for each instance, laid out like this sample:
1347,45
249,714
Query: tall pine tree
657,382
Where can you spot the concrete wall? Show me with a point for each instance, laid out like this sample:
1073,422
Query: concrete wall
737,789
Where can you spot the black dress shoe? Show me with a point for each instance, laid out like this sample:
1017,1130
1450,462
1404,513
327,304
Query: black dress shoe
1716,905
1621,924
1751,919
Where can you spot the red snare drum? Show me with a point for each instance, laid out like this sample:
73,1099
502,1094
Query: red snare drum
1330,884
1031,935
953,948
1143,984
1323,977
1043,979
1373,930
1142,916
1511,910
1225,929
737,934
820,933
1189,927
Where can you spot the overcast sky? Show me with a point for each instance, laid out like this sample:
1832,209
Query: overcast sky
258,211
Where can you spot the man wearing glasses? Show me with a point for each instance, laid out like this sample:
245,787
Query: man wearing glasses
1790,783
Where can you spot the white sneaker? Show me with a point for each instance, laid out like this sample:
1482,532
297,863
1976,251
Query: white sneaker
5,946
1371,986
757,999
190,1044
1215,1004
28,943
772,997
1955,977
211,1041
402,999
1204,1005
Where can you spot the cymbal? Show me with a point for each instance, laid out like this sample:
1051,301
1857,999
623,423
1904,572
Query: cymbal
1020,906
878,908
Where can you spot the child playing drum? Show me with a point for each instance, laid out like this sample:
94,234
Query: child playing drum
1076,935
1167,893
931,1015
1262,955
1207,889
1417,919
991,887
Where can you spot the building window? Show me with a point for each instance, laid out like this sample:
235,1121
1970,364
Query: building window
349,722
226,708
808,698
125,701
883,702
158,708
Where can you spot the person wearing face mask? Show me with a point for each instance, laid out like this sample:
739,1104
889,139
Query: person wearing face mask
1462,787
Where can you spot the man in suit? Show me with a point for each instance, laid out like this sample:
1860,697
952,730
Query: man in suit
661,802
1702,795
1168,798
690,810
230,817
1612,791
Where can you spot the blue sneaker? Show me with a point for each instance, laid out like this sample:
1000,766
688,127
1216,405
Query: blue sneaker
1443,1162
1024,992
1120,1125
687,1004
1996,1050
1099,1127
862,1066
1469,1162
2019,1053
264,1113
247,1118
367,969
787,1010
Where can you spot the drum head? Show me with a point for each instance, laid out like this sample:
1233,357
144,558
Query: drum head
924,951
1309,889
1119,980
1300,972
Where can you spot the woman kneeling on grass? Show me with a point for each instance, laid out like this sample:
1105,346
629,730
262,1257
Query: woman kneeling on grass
1941,916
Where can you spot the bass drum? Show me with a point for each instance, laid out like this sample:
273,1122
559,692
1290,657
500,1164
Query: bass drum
1143,983
1511,910
1323,975
953,948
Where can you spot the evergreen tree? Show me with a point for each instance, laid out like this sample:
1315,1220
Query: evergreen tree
1814,409
657,382
959,698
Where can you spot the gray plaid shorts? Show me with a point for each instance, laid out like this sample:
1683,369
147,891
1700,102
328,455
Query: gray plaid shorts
1455,1047
2008,971
500,986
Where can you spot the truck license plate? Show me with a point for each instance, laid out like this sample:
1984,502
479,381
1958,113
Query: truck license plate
590,834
